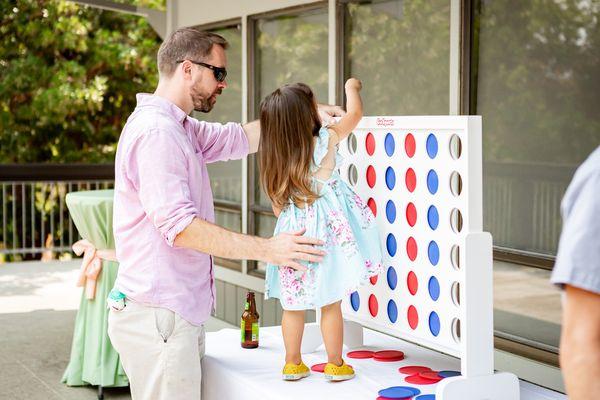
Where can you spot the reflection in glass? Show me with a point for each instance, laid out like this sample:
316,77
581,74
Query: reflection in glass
225,177
536,83
290,49
401,51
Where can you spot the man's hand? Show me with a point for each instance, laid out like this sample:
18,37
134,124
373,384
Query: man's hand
328,112
286,249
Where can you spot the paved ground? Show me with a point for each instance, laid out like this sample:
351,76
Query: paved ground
38,303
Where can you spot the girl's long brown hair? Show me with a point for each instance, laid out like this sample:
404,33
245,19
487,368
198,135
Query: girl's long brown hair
288,121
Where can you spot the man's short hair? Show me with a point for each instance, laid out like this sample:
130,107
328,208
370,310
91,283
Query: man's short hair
186,44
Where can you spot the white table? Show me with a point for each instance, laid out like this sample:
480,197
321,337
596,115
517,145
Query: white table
230,372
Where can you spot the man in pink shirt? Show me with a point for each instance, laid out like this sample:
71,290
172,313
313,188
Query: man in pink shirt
164,219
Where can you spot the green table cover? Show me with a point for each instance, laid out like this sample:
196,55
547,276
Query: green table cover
94,361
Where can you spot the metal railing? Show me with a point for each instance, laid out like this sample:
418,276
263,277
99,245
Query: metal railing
35,219
521,206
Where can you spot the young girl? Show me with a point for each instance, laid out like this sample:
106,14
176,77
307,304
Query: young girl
298,162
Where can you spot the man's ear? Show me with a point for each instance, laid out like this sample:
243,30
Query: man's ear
186,69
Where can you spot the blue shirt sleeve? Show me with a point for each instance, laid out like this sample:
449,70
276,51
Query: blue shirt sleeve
578,259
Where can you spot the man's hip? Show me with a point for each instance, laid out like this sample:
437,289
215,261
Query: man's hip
159,350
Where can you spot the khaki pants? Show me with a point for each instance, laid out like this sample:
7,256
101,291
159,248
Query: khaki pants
160,352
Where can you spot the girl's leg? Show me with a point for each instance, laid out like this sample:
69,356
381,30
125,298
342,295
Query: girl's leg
332,329
292,327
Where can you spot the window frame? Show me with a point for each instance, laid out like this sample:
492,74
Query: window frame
221,204
254,208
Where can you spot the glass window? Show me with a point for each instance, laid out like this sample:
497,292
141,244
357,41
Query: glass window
401,52
290,49
535,81
226,177
265,225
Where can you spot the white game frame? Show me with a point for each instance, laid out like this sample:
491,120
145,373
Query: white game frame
475,345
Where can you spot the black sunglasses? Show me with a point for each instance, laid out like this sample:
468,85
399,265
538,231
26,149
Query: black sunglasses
220,73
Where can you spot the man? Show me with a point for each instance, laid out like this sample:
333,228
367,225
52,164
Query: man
163,219
577,270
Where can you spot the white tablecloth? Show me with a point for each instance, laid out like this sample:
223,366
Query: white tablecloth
230,372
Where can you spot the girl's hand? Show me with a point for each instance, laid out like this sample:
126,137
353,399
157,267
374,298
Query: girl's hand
327,113
353,83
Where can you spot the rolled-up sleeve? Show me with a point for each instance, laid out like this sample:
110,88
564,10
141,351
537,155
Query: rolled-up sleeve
220,142
158,168
578,259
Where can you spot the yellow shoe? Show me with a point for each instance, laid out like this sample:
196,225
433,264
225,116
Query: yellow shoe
341,373
293,372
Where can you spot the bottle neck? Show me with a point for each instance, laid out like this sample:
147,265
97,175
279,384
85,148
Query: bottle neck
250,304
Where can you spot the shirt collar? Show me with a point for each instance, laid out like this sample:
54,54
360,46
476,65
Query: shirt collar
152,100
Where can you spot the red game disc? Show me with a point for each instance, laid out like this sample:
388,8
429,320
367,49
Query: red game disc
392,398
373,305
411,214
370,144
373,279
411,248
412,282
409,145
360,354
431,375
371,177
410,178
413,369
419,380
388,355
318,367
321,367
372,205
413,317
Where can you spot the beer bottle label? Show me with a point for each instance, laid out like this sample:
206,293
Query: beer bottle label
247,306
243,330
255,332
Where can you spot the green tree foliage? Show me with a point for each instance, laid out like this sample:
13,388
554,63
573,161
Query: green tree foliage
68,78
538,79
292,49
401,52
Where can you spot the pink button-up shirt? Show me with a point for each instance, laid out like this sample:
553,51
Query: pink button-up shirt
161,184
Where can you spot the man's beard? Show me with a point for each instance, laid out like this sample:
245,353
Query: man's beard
204,102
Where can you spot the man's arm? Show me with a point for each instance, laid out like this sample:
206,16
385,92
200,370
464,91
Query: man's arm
283,249
580,343
252,129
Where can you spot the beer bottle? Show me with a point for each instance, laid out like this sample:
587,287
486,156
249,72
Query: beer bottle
249,324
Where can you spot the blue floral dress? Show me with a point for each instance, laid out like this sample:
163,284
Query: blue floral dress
341,219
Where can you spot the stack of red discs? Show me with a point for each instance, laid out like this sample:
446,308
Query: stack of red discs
388,355
419,375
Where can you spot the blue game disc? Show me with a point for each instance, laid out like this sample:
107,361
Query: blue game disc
399,392
355,301
448,374
392,311
392,278
433,218
434,288
432,181
391,245
431,145
390,211
390,178
434,323
425,397
433,251
389,144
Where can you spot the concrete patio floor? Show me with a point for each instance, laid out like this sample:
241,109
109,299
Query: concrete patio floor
38,304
